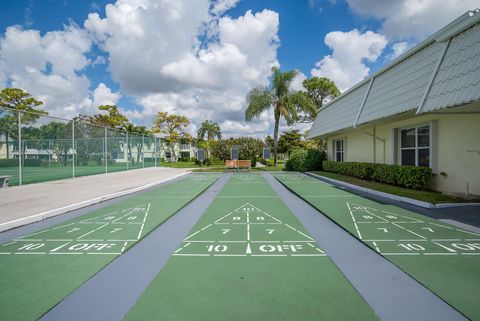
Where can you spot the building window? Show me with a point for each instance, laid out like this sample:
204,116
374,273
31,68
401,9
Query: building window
415,146
339,150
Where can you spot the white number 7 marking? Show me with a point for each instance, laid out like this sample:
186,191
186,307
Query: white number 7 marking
383,229
270,230
428,229
225,230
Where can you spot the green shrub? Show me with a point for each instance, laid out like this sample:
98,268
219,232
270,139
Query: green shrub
11,162
254,161
414,177
304,160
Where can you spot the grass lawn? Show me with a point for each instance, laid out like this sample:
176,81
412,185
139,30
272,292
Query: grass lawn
426,196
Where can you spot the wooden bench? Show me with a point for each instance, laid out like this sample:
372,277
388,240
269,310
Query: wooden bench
4,180
238,164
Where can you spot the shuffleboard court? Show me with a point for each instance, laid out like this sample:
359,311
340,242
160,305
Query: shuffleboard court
443,257
40,269
248,258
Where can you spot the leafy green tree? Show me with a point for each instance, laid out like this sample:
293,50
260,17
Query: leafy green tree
319,90
278,95
268,141
14,100
289,141
248,148
172,127
113,118
56,138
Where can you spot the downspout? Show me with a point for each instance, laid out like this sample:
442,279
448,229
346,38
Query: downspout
374,136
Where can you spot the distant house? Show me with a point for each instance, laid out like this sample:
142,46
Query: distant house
181,150
422,109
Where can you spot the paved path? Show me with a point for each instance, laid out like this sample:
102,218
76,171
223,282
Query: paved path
390,292
20,205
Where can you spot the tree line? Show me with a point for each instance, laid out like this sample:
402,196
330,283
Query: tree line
293,106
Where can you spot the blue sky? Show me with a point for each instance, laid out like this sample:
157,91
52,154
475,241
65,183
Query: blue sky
74,54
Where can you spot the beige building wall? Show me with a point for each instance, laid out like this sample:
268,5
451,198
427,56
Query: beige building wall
455,148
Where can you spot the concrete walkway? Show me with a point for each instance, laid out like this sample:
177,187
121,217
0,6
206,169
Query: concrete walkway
21,205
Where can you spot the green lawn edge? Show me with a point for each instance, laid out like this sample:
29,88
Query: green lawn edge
425,196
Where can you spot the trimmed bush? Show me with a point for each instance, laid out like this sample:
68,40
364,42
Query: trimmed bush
414,177
304,160
13,162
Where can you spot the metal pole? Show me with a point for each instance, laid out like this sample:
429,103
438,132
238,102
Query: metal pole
105,146
128,160
155,141
73,148
143,149
20,180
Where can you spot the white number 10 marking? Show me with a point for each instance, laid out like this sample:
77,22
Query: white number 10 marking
412,247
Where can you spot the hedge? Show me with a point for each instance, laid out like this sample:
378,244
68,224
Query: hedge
13,162
304,160
414,177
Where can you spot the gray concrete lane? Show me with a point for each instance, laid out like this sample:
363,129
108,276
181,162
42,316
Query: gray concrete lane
21,205
6,236
393,295
110,294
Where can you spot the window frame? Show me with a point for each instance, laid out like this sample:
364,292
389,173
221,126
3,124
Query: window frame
342,152
416,148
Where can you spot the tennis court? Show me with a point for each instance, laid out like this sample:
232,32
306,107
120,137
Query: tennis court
444,258
50,173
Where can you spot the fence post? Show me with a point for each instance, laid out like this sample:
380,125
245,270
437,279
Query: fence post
155,150
73,148
20,172
105,146
143,151
128,148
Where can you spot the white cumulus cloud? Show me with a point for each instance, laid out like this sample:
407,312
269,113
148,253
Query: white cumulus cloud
103,95
402,19
350,52
184,58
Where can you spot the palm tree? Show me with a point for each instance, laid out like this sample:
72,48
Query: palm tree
279,96
211,129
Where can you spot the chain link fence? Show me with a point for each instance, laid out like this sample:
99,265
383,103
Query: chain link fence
37,148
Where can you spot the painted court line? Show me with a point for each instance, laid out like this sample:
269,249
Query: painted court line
110,293
51,213
386,288
143,222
